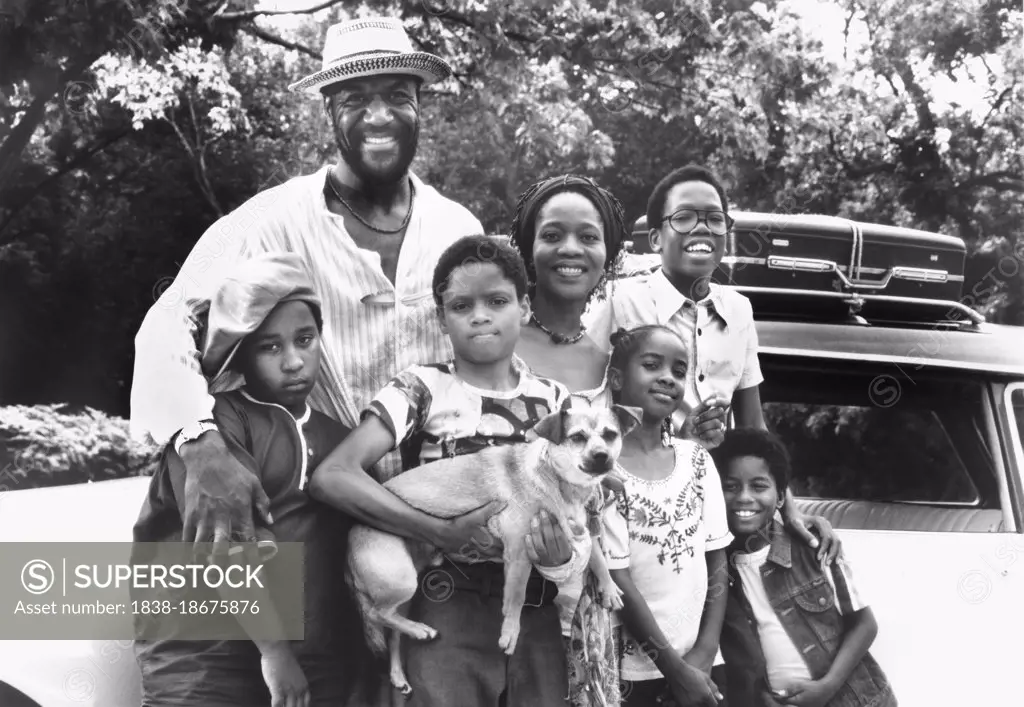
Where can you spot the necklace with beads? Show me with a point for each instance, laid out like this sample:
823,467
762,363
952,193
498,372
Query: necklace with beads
360,219
559,339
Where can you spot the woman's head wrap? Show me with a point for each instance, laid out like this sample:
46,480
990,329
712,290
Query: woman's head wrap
523,231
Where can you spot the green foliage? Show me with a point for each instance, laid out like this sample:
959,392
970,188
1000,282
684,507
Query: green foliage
46,446
128,126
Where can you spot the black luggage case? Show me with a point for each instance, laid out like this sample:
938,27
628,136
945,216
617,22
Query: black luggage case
826,253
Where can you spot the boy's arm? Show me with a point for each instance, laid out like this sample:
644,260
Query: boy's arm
859,631
702,655
342,481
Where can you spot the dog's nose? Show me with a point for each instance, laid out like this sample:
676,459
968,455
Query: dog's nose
600,458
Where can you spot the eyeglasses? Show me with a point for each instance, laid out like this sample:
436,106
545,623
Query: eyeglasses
685,220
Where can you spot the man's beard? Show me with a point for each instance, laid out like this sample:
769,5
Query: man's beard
408,140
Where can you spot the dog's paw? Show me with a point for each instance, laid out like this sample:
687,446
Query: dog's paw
402,685
509,638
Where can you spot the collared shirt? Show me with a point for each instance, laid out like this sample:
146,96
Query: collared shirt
719,330
372,329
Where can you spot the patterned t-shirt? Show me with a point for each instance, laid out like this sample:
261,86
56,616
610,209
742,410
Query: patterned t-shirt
435,414
661,530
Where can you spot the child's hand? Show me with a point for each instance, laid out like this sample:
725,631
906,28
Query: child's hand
700,660
807,693
706,422
691,687
284,677
829,545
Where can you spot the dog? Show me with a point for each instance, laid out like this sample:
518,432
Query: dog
560,470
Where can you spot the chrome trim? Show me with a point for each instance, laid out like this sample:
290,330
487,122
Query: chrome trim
1016,445
971,366
975,317
779,262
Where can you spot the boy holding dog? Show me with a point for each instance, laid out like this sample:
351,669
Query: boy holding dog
478,399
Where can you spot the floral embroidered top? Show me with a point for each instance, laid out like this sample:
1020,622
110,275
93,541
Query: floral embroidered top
660,530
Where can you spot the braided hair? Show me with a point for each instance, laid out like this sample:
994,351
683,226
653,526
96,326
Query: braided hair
625,343
523,231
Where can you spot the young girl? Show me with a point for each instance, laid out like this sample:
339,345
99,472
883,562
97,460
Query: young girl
667,533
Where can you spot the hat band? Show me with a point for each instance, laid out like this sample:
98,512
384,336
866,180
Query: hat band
355,56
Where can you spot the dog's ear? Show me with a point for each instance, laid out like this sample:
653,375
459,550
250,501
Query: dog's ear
629,417
552,426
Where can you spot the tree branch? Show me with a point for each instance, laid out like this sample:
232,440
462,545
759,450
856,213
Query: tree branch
255,31
20,134
458,18
74,163
1003,181
252,14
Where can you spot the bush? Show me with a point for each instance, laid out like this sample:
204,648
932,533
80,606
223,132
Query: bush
52,445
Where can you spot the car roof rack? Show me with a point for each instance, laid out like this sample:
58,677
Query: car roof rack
860,308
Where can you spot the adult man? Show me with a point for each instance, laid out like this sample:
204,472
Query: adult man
369,232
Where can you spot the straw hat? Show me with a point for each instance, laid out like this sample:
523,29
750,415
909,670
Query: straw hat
371,47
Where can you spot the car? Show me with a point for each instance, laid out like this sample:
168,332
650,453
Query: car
904,417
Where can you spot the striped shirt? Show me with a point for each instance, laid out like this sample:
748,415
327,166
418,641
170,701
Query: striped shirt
372,329
785,665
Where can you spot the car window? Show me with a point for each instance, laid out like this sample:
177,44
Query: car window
874,447
862,452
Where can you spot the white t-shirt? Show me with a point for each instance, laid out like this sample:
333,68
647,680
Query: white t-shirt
784,662
661,531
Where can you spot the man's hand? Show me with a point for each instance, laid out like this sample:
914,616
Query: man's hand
706,422
546,544
285,680
807,693
829,545
221,496
691,687
467,536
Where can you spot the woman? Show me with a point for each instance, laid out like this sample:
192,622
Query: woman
569,232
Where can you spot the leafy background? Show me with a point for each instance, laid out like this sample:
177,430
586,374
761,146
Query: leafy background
128,126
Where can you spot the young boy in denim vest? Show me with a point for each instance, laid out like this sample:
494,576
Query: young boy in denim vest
796,632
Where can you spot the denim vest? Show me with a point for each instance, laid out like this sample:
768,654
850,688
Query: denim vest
805,604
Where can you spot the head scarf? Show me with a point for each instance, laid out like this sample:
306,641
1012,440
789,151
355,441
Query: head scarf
522,233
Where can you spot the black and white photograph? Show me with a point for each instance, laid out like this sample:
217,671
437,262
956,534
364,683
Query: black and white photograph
463,353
